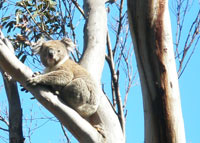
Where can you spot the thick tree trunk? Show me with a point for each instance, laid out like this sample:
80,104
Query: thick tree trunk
151,33
95,31
95,34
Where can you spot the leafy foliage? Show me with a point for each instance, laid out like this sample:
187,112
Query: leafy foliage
31,20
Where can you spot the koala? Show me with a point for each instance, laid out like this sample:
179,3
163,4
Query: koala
74,84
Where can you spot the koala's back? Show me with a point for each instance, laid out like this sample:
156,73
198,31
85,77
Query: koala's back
77,70
78,73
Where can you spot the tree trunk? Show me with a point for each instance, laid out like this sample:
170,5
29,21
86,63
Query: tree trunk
151,33
95,34
95,31
15,112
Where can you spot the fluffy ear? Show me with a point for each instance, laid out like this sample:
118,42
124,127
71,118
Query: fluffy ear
37,46
69,44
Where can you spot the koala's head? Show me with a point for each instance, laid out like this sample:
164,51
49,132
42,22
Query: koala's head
54,51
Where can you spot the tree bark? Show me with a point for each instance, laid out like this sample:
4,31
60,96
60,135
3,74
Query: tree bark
151,34
15,112
95,35
95,31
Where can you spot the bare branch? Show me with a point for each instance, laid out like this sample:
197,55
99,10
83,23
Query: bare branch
119,25
115,84
66,136
192,36
4,129
189,57
4,120
180,21
79,8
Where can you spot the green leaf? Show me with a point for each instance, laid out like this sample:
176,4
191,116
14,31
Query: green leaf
5,18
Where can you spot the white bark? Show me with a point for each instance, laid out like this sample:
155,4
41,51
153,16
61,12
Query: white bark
15,111
95,32
151,33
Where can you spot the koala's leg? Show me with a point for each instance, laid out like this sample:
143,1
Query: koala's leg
80,97
75,93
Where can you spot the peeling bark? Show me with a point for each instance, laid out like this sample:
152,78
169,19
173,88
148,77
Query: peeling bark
151,33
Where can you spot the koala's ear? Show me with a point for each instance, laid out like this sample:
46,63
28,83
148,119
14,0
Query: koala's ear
69,44
36,47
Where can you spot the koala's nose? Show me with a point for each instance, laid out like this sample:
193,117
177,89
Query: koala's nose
51,53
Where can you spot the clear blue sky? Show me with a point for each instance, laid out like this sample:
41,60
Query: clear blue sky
50,132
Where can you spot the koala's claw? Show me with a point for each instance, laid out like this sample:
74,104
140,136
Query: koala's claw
31,82
34,80
36,74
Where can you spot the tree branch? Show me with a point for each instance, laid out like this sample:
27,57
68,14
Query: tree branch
115,81
95,31
15,111
78,126
79,8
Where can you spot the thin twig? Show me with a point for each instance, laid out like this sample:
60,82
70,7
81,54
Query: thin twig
119,25
65,134
194,35
180,22
4,120
4,129
79,8
189,58
115,82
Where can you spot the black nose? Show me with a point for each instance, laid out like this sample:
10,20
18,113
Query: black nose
50,53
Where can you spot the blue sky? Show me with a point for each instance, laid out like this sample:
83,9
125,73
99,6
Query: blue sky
188,83
51,132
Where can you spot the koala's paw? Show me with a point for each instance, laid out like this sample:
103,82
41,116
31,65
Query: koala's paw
34,80
36,74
